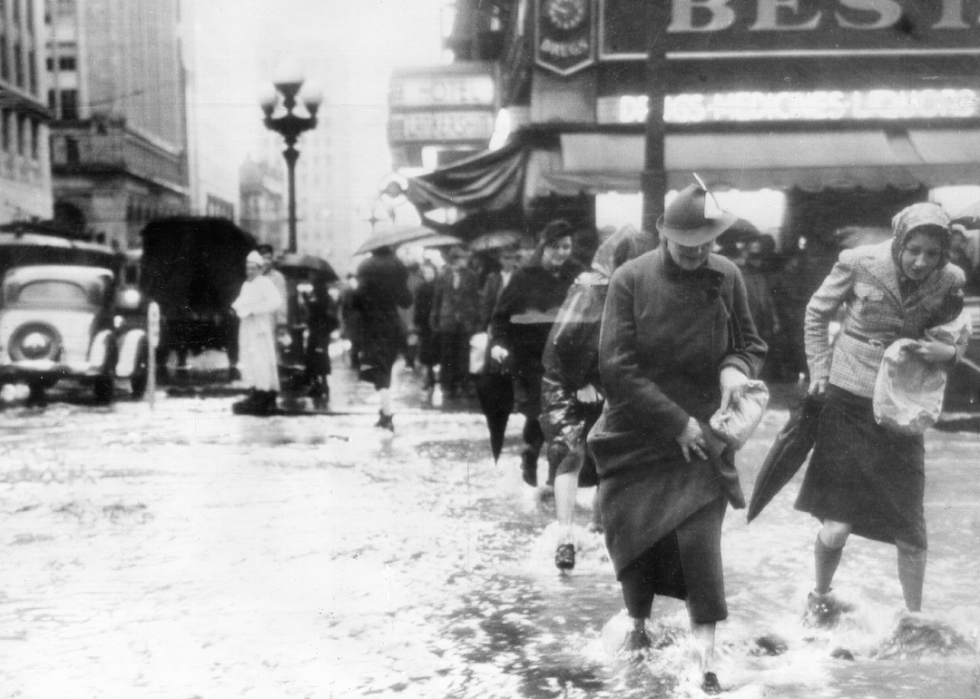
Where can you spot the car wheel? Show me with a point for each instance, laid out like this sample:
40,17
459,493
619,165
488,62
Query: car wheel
105,389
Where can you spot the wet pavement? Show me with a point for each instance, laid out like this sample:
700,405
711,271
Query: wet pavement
186,552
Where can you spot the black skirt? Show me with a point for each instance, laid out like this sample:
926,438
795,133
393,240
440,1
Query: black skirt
864,474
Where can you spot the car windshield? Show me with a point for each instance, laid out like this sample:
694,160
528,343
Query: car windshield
53,294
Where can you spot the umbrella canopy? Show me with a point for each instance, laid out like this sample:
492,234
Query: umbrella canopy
393,238
438,240
495,391
499,239
787,454
316,266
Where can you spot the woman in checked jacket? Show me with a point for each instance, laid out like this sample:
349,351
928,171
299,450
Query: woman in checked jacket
864,478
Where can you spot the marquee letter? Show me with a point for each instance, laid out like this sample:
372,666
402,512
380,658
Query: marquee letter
952,17
767,17
889,12
682,15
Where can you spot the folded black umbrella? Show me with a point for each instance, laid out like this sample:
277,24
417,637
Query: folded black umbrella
495,391
787,454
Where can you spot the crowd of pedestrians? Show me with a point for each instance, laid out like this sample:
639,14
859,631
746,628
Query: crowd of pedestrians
619,351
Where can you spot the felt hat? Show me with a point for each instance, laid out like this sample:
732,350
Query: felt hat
693,218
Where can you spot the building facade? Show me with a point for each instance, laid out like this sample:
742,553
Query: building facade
25,172
116,88
262,202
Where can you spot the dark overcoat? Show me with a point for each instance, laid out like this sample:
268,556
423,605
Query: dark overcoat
382,289
666,334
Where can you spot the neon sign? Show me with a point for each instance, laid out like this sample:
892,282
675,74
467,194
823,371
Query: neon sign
819,105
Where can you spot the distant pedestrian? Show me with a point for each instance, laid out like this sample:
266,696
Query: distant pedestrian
428,345
454,319
255,307
275,276
520,324
756,266
509,259
321,321
351,322
864,478
382,289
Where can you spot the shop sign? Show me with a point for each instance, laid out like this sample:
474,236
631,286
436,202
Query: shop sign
819,105
440,127
442,90
565,37
797,28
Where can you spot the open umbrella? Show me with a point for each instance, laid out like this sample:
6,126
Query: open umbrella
787,454
308,263
495,391
393,238
497,239
439,240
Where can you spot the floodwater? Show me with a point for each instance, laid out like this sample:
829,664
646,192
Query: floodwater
186,552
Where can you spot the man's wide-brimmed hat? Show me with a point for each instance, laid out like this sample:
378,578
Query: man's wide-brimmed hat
693,218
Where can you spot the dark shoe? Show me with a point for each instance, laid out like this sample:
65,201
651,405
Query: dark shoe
565,557
710,685
385,422
824,610
529,469
637,641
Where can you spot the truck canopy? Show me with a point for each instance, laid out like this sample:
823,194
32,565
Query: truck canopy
193,266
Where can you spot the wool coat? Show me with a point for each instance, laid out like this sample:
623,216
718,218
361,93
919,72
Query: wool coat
666,335
382,289
255,307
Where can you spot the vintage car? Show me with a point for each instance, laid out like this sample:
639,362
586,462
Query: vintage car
63,322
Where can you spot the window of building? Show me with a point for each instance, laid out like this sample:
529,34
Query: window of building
69,104
21,134
71,151
49,63
35,139
16,13
5,119
32,71
66,7
18,65
66,62
4,65
52,104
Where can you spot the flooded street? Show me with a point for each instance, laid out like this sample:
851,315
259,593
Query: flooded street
185,552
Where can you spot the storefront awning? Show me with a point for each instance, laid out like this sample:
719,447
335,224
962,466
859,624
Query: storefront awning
872,159
498,184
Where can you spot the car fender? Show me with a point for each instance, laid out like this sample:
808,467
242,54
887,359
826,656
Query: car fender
101,351
129,353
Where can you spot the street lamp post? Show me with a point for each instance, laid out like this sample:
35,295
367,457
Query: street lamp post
290,125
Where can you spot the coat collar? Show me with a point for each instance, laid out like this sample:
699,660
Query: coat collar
712,271
882,267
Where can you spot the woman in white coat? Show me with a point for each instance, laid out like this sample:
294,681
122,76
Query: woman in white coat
256,306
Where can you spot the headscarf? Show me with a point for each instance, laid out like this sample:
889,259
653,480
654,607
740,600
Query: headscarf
621,246
917,216
255,258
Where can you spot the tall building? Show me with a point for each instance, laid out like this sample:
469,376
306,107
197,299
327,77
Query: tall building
25,172
117,91
263,211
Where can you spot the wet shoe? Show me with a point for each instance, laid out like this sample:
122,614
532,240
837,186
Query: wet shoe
824,610
565,557
529,469
637,642
710,684
385,422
